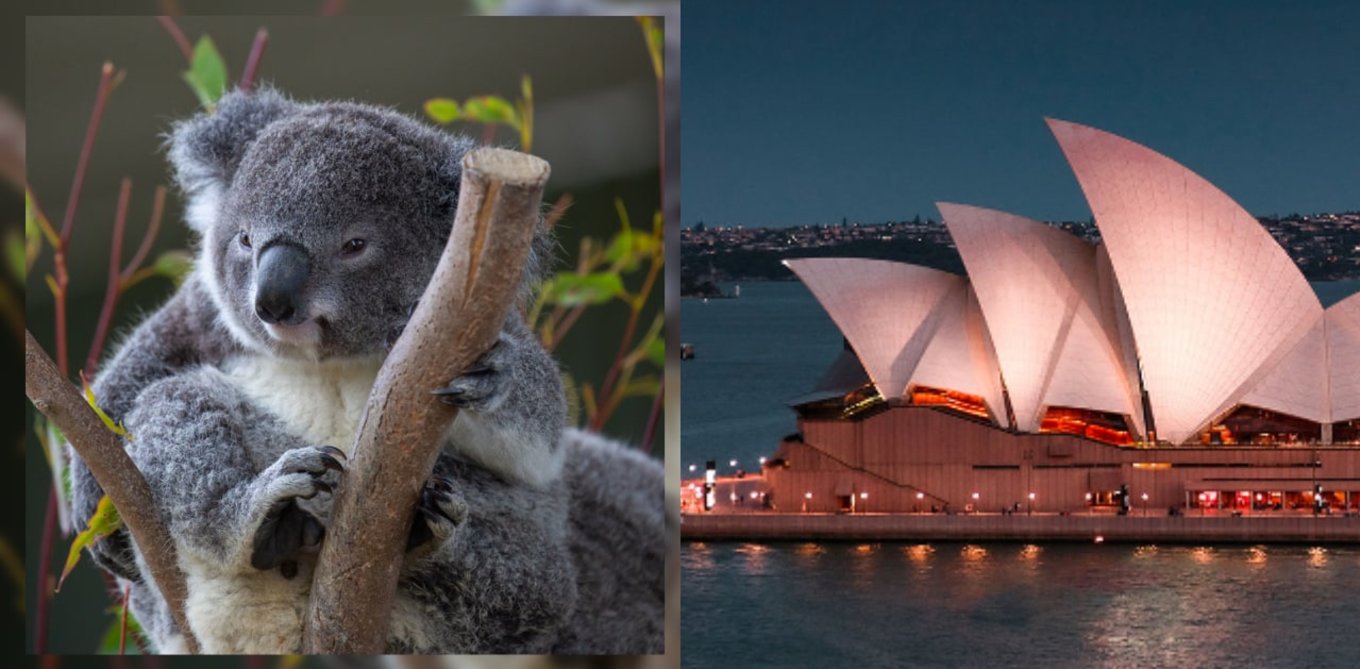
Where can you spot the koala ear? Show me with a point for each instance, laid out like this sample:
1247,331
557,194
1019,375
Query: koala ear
206,150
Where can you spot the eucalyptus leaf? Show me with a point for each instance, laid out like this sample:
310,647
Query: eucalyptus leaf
174,265
442,110
16,254
656,351
108,645
490,109
207,73
572,290
104,522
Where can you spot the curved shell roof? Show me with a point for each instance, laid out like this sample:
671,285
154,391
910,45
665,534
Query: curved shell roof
1187,299
1055,342
908,325
1213,300
1342,323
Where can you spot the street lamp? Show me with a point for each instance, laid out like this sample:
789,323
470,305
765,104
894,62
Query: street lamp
692,468
919,496
1031,504
1144,505
863,499
733,463
975,502
807,497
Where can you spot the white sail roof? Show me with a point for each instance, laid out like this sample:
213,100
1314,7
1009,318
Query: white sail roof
1213,301
1298,385
1343,357
907,324
1056,343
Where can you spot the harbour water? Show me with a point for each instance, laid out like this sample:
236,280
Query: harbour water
890,604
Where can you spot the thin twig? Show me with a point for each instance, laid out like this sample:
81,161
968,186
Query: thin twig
470,295
253,60
122,625
178,35
657,404
607,388
148,238
561,329
54,396
45,571
114,289
91,130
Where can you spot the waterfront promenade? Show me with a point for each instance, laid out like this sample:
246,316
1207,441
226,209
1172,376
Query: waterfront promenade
1260,528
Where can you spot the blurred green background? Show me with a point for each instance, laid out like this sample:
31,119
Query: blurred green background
595,109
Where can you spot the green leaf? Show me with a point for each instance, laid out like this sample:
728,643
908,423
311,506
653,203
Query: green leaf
656,351
630,247
646,386
571,290
442,110
108,645
16,252
174,265
655,37
31,214
116,428
104,522
490,109
207,73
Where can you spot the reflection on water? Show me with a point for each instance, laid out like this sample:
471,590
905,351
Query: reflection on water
1256,555
1317,556
889,604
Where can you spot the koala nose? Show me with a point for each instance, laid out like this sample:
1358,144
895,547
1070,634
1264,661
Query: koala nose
281,273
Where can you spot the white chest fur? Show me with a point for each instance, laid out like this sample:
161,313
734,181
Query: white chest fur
320,402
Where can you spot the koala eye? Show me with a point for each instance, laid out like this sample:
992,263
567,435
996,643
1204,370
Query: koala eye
353,247
245,239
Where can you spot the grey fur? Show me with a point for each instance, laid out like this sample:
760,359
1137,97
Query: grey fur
519,541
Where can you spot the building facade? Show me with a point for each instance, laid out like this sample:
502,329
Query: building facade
1183,363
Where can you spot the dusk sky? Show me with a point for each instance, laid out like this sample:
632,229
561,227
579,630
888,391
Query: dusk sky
799,112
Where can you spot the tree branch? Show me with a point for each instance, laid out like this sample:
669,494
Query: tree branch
457,320
57,399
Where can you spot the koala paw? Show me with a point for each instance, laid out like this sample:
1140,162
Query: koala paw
285,529
484,385
441,511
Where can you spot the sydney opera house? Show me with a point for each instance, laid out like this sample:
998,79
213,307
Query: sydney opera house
1183,362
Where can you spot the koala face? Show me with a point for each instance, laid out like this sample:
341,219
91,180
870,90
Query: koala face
322,223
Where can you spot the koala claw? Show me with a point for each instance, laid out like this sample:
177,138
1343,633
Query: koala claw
286,529
481,387
440,512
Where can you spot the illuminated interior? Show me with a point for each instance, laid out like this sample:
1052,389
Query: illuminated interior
1247,424
1110,428
964,403
1346,432
860,400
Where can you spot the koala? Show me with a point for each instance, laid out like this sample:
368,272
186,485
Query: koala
318,227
